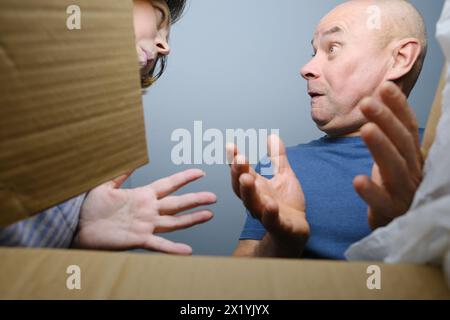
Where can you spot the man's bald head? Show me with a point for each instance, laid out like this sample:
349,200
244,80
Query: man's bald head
358,46
398,19
405,21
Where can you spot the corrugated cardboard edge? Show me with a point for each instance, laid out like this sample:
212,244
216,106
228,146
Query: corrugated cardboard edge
41,274
72,115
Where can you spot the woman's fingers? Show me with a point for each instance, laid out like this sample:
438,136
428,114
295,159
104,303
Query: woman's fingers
173,223
168,185
160,244
117,182
171,205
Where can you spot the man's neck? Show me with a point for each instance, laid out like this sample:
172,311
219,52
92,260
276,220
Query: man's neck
356,133
351,134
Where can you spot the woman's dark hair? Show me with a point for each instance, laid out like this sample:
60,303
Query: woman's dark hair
176,8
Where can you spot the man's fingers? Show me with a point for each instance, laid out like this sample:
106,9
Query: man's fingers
236,170
173,223
240,166
240,162
376,112
396,100
270,217
166,186
270,205
277,154
251,199
160,244
393,167
376,198
231,152
171,205
379,202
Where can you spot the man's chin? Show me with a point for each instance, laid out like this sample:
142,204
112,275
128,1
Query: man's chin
320,119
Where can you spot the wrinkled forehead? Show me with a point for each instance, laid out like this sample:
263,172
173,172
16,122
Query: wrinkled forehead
348,20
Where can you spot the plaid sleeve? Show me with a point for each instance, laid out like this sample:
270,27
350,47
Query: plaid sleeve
52,228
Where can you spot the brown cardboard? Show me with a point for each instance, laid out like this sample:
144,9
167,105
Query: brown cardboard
41,274
38,115
70,108
435,114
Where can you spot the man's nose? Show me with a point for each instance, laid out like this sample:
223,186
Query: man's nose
310,71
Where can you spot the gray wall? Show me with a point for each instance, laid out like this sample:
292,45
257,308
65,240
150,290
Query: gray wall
235,64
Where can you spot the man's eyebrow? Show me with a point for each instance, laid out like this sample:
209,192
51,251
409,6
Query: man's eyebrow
333,30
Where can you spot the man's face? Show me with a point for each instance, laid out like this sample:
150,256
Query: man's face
151,28
348,64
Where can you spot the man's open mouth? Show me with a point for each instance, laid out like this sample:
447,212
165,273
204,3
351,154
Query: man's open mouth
314,94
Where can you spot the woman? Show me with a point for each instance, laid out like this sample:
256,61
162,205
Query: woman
152,21
108,217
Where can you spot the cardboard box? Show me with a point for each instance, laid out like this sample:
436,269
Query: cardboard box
71,115
42,274
434,116
43,113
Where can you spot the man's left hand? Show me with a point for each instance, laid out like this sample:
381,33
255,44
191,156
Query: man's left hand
392,136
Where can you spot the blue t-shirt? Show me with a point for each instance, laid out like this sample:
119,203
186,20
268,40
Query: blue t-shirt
337,216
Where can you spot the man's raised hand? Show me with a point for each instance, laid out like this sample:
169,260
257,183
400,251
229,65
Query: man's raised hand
392,137
279,202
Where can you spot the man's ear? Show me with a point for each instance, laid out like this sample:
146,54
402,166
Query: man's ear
405,55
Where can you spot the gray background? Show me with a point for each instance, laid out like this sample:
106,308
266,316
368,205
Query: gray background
235,64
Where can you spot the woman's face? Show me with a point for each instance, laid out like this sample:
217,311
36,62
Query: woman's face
151,29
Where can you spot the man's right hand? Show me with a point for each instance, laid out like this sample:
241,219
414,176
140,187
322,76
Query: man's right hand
278,203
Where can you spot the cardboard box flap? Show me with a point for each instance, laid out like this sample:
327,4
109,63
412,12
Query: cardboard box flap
70,107
42,274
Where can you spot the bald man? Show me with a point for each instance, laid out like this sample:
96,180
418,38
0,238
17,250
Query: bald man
367,57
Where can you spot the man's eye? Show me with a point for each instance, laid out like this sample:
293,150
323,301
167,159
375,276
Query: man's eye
333,48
